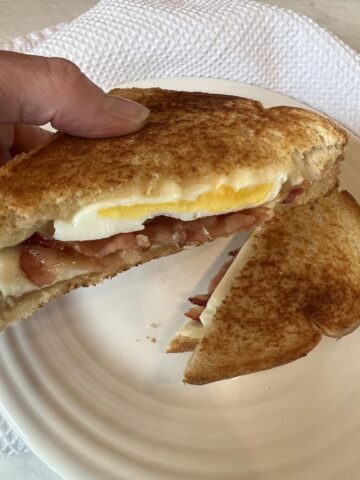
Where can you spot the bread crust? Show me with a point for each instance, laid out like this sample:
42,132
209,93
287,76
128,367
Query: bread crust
190,138
181,343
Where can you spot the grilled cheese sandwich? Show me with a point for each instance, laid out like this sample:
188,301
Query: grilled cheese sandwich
76,211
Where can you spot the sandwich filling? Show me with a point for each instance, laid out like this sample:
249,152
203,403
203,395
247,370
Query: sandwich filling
40,261
106,237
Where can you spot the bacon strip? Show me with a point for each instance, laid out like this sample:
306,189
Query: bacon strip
32,264
202,300
194,313
45,261
293,195
106,246
43,265
220,275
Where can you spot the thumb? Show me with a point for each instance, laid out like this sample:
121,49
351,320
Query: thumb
37,90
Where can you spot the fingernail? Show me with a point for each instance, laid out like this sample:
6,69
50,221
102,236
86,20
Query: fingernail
126,109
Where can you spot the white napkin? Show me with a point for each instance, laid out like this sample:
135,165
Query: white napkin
125,40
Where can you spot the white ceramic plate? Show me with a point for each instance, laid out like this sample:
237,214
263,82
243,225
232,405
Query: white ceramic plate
96,399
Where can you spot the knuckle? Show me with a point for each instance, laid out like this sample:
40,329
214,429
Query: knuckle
63,69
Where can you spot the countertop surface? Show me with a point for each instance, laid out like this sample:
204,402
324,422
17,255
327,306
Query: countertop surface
19,17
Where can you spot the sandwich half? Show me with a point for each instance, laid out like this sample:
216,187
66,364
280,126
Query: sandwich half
77,211
295,279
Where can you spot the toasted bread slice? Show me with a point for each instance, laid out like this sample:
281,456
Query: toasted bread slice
302,279
189,139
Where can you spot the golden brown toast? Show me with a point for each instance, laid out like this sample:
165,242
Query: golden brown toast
190,138
301,280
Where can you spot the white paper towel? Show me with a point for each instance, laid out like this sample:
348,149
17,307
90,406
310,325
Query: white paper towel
126,40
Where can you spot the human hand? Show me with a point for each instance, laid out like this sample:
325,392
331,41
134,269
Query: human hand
37,90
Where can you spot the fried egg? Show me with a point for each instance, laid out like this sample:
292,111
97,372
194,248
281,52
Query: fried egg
109,217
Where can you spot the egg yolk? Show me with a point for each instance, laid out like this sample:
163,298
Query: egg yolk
217,201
